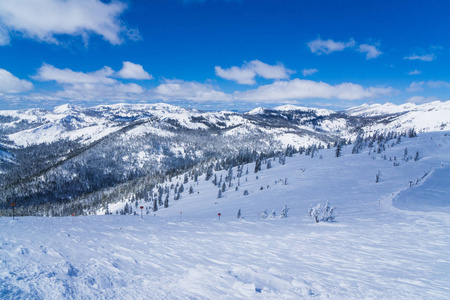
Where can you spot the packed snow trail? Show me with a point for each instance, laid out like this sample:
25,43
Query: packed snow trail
377,248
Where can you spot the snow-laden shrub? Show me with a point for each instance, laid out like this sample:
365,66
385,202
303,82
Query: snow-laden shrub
324,214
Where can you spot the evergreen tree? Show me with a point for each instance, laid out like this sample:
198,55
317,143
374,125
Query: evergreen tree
209,173
265,214
257,165
239,214
191,190
338,150
166,201
219,195
284,211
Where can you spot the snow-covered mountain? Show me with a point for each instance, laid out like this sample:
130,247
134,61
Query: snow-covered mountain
72,151
36,126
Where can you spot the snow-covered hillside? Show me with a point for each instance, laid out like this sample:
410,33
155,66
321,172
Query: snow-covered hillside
389,239
38,126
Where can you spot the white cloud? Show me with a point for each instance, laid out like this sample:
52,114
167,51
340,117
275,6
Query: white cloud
415,72
247,73
96,85
10,84
4,36
416,86
370,50
66,76
188,90
302,89
307,72
320,46
100,91
421,99
44,20
426,57
438,84
133,71
240,75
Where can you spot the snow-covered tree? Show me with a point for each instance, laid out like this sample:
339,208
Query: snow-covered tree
264,214
338,150
273,214
166,201
284,211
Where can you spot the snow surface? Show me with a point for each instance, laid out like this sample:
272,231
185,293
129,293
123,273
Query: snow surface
389,241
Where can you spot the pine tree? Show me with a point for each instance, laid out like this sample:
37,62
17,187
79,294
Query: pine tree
191,190
257,165
166,201
223,187
239,214
338,150
219,195
265,214
416,158
284,211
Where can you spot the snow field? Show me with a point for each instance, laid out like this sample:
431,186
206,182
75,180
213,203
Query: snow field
383,245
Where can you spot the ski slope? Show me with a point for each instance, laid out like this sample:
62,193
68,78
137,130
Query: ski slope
389,240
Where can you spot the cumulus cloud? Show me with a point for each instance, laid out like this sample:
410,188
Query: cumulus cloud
96,85
370,50
320,46
133,71
100,91
415,72
44,20
426,57
307,72
421,99
66,76
416,86
188,90
10,84
438,84
302,89
247,73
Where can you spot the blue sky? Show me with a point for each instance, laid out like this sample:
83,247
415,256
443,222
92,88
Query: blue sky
218,54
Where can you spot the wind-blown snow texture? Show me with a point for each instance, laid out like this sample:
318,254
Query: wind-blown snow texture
389,240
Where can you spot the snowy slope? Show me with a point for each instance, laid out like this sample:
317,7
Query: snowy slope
389,241
90,124
426,117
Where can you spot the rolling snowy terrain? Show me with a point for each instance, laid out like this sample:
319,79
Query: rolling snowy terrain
390,239
80,154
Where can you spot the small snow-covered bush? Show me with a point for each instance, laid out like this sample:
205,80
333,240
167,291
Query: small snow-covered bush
264,214
324,214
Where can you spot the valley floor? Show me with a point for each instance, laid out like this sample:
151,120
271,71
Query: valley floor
382,245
